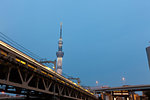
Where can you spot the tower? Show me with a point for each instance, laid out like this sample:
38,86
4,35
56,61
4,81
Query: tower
60,53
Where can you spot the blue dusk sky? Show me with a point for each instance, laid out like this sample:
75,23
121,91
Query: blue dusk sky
104,40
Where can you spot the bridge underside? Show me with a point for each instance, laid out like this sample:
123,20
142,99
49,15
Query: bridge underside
17,78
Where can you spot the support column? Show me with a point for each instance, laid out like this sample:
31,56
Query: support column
132,93
8,75
104,96
125,98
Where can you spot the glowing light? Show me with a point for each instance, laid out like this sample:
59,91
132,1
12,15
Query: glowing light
75,83
48,68
31,66
3,92
123,78
3,53
23,62
97,83
17,60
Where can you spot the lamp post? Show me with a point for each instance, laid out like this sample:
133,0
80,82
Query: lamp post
97,83
123,80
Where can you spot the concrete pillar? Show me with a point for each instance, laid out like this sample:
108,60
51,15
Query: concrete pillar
104,96
126,98
132,95
107,97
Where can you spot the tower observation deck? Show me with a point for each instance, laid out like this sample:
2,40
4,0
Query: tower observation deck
60,53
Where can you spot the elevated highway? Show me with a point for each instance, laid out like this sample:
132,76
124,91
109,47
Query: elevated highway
126,91
21,74
123,88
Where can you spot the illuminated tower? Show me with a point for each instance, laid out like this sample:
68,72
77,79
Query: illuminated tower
60,53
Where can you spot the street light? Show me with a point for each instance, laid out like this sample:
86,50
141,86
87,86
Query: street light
3,92
97,83
123,79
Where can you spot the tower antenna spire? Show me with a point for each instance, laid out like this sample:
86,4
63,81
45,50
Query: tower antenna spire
61,30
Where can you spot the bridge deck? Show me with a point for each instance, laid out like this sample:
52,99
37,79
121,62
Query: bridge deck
26,74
